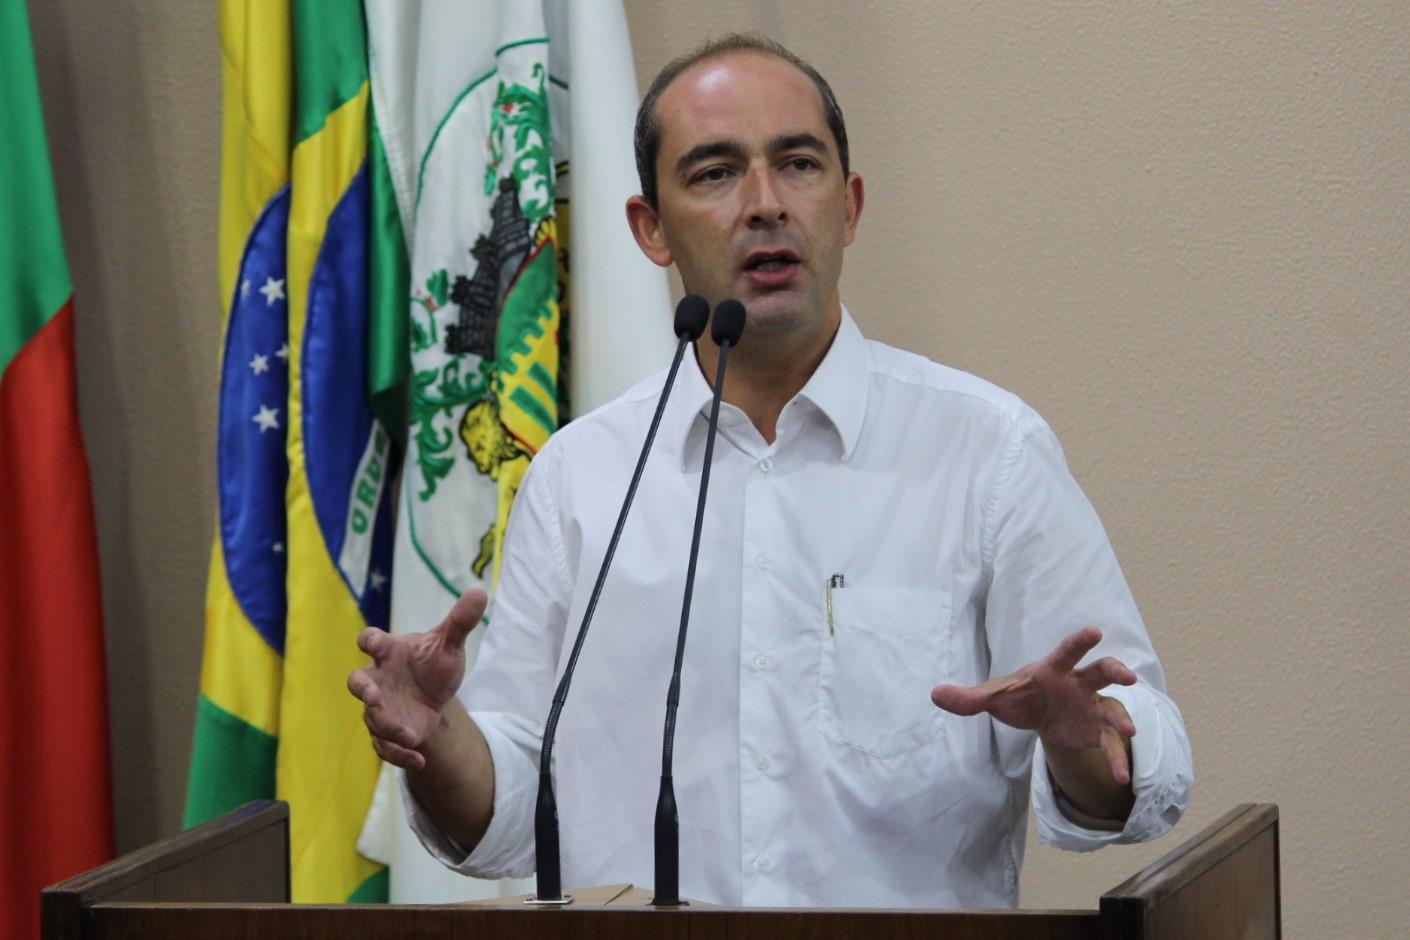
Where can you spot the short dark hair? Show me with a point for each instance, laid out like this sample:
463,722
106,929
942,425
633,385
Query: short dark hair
648,124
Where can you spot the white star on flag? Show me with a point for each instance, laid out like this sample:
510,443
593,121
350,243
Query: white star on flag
272,290
283,352
378,579
244,288
267,419
278,548
259,364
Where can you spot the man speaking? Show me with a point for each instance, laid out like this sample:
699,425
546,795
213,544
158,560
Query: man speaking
908,621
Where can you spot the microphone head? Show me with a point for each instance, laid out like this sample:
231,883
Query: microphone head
728,323
692,313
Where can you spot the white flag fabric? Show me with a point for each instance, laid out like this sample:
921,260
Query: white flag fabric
507,126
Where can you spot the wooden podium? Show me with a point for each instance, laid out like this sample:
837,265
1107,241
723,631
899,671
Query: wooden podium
229,878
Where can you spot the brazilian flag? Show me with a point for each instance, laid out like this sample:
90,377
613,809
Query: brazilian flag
302,555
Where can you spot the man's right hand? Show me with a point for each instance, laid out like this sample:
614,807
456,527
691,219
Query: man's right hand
411,680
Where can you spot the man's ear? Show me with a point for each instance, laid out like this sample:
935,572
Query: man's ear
645,223
856,197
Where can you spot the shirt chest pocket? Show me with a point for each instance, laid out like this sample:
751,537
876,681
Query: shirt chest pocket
885,650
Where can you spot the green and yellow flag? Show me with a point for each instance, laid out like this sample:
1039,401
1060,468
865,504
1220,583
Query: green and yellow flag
302,560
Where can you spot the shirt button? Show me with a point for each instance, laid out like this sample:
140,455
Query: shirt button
762,562
766,465
762,662
761,761
762,865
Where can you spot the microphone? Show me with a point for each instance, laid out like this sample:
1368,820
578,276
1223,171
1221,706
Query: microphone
726,329
691,315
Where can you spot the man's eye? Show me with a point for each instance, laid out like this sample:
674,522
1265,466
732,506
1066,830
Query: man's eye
802,164
713,175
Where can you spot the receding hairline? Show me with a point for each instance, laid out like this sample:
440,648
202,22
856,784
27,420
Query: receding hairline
716,56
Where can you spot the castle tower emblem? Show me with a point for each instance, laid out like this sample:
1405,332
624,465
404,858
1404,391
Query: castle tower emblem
498,256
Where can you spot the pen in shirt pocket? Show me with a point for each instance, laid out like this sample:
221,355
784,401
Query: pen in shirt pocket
836,581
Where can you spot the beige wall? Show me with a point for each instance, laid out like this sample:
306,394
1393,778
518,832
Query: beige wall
1182,231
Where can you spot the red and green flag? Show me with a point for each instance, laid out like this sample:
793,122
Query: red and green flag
55,782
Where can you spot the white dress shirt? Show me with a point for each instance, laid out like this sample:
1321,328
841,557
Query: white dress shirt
810,766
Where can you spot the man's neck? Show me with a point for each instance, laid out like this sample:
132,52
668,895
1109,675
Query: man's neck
761,380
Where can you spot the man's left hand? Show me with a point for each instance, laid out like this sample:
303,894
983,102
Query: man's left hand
1059,701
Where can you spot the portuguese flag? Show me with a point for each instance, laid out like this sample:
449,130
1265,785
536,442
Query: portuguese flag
55,786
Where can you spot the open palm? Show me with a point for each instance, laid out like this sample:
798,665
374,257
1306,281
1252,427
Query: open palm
412,679
1056,699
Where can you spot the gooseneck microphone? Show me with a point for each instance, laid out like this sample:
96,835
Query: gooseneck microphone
691,315
725,329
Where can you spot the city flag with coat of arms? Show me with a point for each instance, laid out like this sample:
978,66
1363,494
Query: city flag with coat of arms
507,129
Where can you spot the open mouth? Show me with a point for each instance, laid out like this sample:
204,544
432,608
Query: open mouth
771,269
770,261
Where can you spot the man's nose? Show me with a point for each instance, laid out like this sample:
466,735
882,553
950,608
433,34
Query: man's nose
763,207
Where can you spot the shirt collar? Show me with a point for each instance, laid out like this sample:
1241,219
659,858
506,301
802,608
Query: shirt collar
837,389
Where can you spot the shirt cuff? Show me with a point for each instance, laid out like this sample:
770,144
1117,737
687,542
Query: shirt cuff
1162,775
507,849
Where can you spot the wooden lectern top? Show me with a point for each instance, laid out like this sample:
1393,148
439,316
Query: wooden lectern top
229,879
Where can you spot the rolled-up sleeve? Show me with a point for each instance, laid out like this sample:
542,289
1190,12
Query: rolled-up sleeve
1053,571
504,852
508,691
1162,775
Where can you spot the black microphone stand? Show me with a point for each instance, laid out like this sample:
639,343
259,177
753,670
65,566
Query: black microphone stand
726,329
691,314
